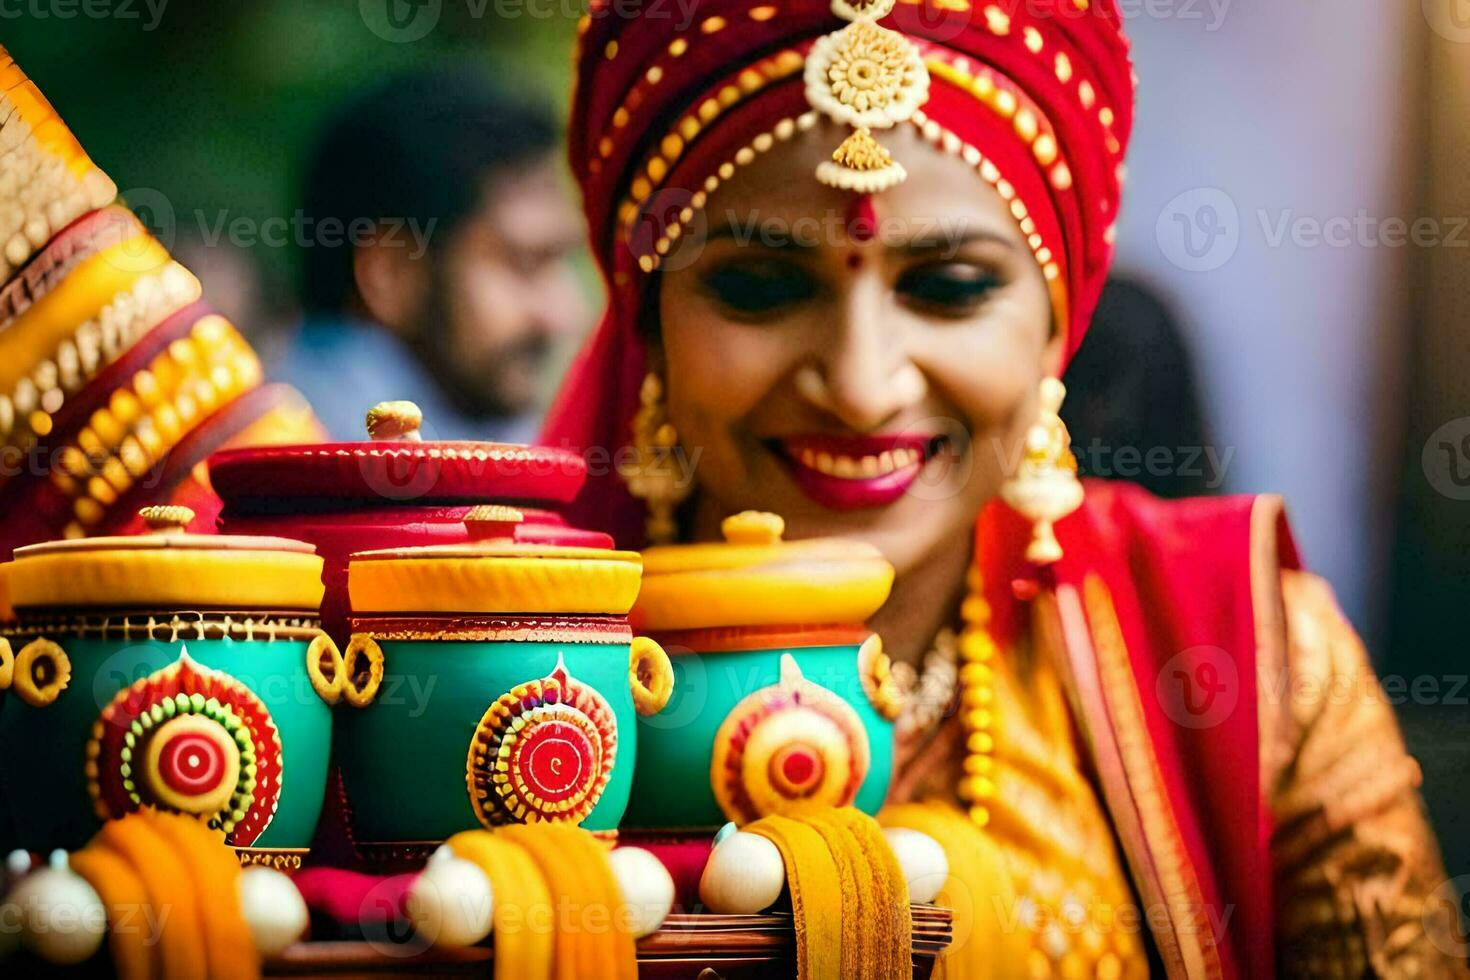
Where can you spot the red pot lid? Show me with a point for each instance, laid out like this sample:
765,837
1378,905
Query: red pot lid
393,467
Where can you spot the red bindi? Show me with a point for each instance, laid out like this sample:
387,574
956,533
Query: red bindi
862,219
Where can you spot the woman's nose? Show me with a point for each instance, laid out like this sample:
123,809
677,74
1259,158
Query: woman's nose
866,375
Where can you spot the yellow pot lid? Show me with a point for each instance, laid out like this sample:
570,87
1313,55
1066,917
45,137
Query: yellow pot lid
167,569
754,578
494,575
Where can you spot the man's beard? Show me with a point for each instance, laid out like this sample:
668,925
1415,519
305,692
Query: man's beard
474,389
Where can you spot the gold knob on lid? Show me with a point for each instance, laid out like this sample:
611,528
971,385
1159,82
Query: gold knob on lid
753,527
167,518
486,520
394,422
493,514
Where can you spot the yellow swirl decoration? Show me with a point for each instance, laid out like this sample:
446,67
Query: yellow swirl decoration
875,671
42,670
363,668
650,675
326,669
786,747
7,664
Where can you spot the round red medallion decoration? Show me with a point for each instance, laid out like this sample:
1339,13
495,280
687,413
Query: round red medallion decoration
190,739
555,759
797,769
192,764
542,752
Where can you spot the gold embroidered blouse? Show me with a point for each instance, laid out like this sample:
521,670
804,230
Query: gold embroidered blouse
1357,868
1071,902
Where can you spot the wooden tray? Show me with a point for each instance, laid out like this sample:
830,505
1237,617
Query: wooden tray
688,947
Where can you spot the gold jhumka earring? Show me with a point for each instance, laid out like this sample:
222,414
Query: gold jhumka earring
1045,487
654,475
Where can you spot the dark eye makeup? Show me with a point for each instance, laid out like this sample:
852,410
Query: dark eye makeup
950,288
756,288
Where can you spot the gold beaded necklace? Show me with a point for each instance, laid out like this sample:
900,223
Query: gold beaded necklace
1032,799
977,698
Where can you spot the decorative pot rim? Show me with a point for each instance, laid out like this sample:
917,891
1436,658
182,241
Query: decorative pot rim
168,568
590,629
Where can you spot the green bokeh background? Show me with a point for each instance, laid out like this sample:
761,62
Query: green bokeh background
217,106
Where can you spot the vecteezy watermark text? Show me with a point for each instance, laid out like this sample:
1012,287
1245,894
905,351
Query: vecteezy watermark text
150,12
304,231
1200,230
1211,13
156,210
405,21
1363,230
1208,463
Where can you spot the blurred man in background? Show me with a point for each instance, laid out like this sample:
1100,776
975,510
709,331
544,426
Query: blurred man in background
438,242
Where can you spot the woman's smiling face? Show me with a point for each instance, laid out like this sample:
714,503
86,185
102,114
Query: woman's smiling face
861,366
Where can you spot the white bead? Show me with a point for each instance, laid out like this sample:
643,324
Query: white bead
745,875
273,909
646,886
451,904
923,862
62,919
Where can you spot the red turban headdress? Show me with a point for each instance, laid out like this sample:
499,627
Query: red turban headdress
1036,95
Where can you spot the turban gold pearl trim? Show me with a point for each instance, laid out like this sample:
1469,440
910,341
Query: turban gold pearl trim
743,156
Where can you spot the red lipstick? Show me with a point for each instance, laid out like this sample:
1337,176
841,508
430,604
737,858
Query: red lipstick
856,472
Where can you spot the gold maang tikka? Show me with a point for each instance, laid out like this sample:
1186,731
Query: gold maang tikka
867,77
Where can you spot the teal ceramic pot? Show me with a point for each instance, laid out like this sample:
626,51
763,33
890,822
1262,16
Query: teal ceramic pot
775,707
129,682
494,683
815,733
413,764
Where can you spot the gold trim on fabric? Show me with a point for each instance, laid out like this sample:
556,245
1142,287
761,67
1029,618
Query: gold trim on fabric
1268,609
149,415
1080,667
669,151
1183,898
